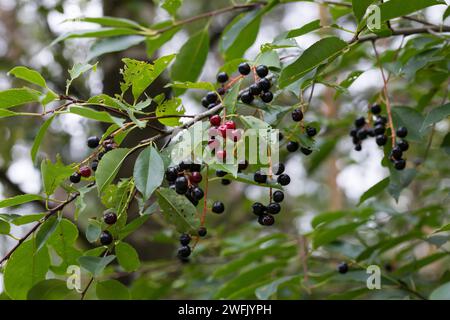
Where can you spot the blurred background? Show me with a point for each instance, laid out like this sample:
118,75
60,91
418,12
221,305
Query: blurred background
333,183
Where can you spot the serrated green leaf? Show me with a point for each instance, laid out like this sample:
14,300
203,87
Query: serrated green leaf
29,75
172,107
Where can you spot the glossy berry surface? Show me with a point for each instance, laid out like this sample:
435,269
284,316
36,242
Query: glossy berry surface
306,151
221,173
215,120
202,231
260,177
297,115
403,145
197,194
400,164
110,218
360,122
375,109
247,97
267,97
171,174
273,208
94,165
264,84
75,177
402,132
396,153
196,177
93,142
262,71
184,251
222,77
211,97
106,238
292,146
381,140
218,207
255,89
266,220
181,185
278,169
258,208
185,239
230,124
278,196
284,179
85,171
342,268
311,131
244,68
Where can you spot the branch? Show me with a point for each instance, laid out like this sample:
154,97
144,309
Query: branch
404,32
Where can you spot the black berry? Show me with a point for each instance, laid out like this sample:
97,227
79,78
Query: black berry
185,239
242,165
205,102
403,145
171,174
181,185
211,97
264,84
267,97
284,179
218,207
358,147
262,71
255,89
400,164
247,97
221,173
75,177
184,252
311,131
396,153
273,208
202,231
259,177
292,146
222,77
106,238
258,208
197,193
278,196
94,165
297,115
402,132
375,109
379,129
244,68
360,122
266,220
381,140
93,142
279,169
225,182
306,151
342,268
110,218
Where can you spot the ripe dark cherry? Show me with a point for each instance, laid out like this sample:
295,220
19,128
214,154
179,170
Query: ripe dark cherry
181,185
244,68
195,167
362,134
75,177
306,151
255,89
358,147
379,129
278,196
247,97
273,208
205,102
184,252
260,177
396,153
267,97
262,71
402,132
311,131
211,97
360,122
215,120
110,218
85,172
185,239
375,109
242,165
196,177
284,179
106,238
93,142
171,174
381,140
221,173
279,169
400,164
222,77
292,146
225,182
202,231
266,220
258,208
342,268
221,91
211,105
264,84
197,194
297,115
403,145
94,165
380,120
218,207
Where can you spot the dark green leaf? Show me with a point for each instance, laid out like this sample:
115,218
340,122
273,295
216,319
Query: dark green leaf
148,171
18,200
39,137
15,97
397,8
112,290
374,190
109,167
95,265
436,115
114,44
127,256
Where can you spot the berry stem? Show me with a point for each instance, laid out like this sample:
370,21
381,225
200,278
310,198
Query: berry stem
386,95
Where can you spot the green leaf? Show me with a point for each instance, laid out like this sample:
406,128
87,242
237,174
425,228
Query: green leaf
352,77
95,33
374,190
436,115
110,22
446,14
443,229
5,228
441,293
193,85
95,265
127,256
77,70
4,113
360,7
409,118
178,210
171,6
40,135
419,264
46,230
101,116
19,220
114,44
157,41
266,291
190,60
15,97
307,28
397,8
325,236
399,180
109,167
231,98
133,226
169,108
311,58
53,174
93,231
50,289
148,172
139,74
29,75
63,242
18,200
24,269
112,290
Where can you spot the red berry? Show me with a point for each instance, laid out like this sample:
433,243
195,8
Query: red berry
223,130
230,124
221,155
196,177
85,172
215,120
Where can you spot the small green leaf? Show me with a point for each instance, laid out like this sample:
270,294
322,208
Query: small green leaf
112,290
399,180
178,210
325,236
435,115
53,174
374,190
133,225
95,265
172,107
39,137
148,171
101,116
311,58
307,28
50,289
171,6
110,22
15,97
127,256
29,75
114,44
63,241
231,98
409,118
46,230
360,7
20,199
93,231
109,167
77,70
441,293
397,8
95,33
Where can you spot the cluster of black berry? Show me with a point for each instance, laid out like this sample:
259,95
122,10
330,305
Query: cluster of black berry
106,237
260,88
242,165
86,171
293,146
283,179
362,131
265,213
184,179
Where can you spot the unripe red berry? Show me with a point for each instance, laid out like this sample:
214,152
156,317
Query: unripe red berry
85,172
230,124
195,177
215,120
